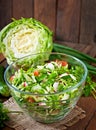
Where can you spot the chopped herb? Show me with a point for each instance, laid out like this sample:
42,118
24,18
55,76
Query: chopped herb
3,115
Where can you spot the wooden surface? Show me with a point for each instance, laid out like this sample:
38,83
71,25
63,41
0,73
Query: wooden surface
26,10
88,20
46,8
70,20
86,103
5,12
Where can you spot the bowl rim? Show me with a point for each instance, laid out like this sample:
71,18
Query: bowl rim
63,54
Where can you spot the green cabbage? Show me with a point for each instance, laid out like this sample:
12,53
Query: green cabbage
24,37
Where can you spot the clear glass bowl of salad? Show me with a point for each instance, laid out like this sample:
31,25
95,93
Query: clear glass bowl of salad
46,85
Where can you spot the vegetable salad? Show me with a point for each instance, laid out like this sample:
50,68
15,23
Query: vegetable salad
48,91
52,77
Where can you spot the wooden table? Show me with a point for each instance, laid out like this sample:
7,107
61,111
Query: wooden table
86,103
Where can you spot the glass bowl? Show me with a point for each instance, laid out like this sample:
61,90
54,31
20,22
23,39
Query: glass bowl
46,85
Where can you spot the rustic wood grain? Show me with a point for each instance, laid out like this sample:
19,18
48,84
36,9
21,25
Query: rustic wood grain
92,124
89,49
68,18
93,52
45,11
89,105
23,8
88,22
79,47
7,128
5,12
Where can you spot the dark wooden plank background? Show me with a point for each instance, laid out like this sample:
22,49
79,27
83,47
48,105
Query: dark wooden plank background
45,11
88,22
5,12
70,20
22,8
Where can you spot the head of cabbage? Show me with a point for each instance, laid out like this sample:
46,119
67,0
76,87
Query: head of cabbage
24,37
